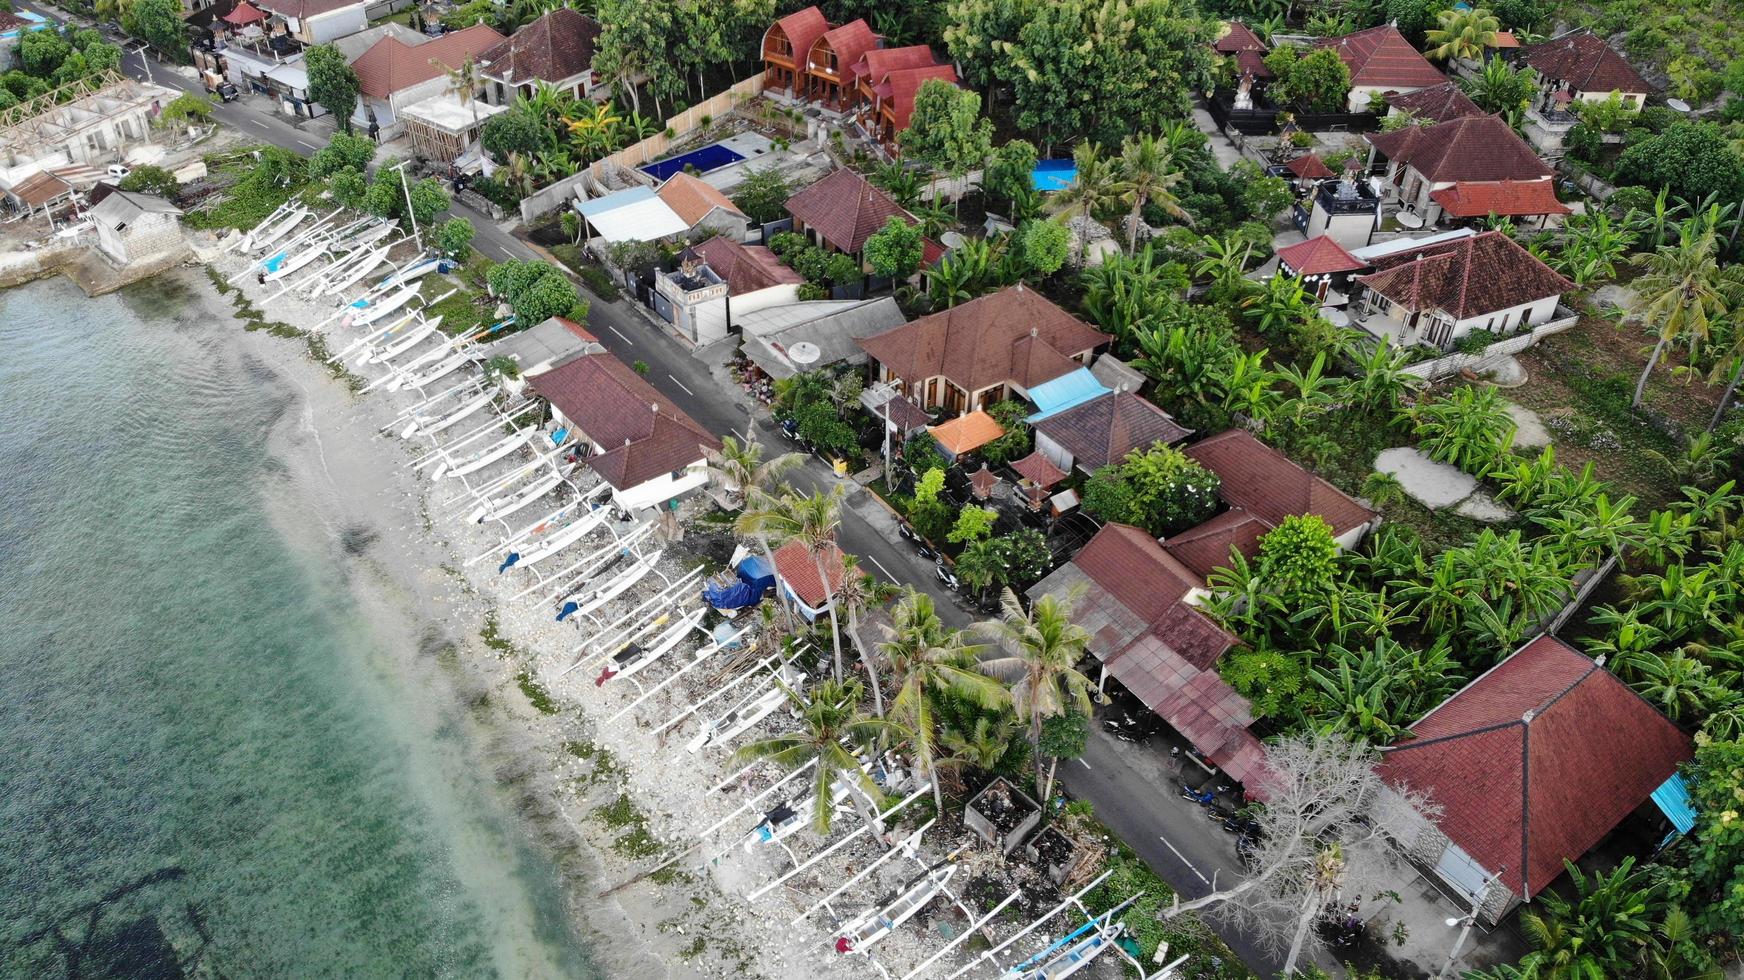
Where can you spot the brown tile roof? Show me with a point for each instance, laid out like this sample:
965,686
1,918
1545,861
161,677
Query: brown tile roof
304,8
640,432
1206,548
966,433
391,65
1437,103
846,209
746,268
1039,470
1480,198
692,198
1309,167
878,63
1468,148
1466,277
1382,58
986,341
1259,479
1136,570
1319,256
1586,63
797,567
550,48
904,85
1536,761
10,21
803,28
850,42
1193,700
982,481
1103,430
1245,45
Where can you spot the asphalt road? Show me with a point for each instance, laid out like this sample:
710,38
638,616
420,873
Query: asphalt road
1132,787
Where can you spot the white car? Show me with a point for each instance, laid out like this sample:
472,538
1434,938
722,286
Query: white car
118,171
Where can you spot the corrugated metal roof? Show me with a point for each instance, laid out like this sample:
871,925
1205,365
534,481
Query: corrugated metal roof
1065,391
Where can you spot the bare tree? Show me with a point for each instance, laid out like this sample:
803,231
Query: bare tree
1321,838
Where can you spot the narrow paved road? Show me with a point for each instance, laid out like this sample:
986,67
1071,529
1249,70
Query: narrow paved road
1133,787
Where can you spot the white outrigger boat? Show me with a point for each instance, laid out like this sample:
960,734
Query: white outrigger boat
861,934
417,270
582,526
484,457
355,266
631,659
401,381
748,712
243,241
374,336
788,818
400,345
497,508
278,231
1068,956
429,425
373,310
618,586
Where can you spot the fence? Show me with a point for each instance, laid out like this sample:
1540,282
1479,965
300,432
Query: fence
1585,179
551,198
1264,122
1452,364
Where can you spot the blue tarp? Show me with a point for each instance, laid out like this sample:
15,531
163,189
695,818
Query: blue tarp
1674,801
754,580
1066,391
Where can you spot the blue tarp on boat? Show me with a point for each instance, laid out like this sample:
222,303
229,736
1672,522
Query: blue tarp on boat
1674,801
754,580
1065,391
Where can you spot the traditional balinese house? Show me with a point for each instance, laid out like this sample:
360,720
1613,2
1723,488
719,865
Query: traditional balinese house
1248,53
1381,62
1102,431
966,433
787,44
893,106
1323,265
830,62
1421,160
1574,68
636,439
1530,203
876,65
1435,104
844,209
1436,293
1346,210
984,351
1305,171
392,74
1530,765
554,49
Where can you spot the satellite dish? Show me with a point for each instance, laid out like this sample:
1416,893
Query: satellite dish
804,352
1408,220
1678,105
951,239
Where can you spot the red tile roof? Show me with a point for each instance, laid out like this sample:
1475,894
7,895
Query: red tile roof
1104,430
1586,63
391,65
1245,45
966,433
878,63
1380,57
982,481
242,13
1504,39
1129,563
1481,198
1309,167
1015,335
1437,103
850,42
803,28
904,85
1193,700
301,9
1207,547
1468,148
10,21
845,209
1319,256
1536,761
746,268
1263,481
640,432
1466,277
692,198
551,48
797,567
1039,470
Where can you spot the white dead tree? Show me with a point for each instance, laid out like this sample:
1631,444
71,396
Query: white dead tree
1321,839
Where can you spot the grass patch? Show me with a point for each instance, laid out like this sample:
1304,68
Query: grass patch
693,950
598,281
463,312
1186,934
636,841
536,694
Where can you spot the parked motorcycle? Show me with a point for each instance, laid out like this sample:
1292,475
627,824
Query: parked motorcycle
947,577
1203,797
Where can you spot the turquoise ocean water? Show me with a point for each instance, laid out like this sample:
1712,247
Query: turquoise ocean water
211,762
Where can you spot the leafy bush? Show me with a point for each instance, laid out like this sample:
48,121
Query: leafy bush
453,237
149,179
894,251
786,243
343,151
536,291
1468,427
763,194
1160,489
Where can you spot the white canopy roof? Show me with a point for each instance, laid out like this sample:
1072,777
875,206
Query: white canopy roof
634,215
449,114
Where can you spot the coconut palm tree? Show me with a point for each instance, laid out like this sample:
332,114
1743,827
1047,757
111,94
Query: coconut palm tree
926,660
833,727
1148,176
1462,35
463,83
1042,647
980,747
1095,189
856,592
740,469
813,520
1682,290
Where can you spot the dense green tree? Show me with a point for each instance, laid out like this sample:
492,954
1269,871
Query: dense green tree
763,194
349,188
1318,81
947,131
185,110
518,131
41,52
636,42
1694,159
1160,489
342,152
1706,870
1009,169
1044,245
536,291
149,179
332,83
158,23
453,237
894,251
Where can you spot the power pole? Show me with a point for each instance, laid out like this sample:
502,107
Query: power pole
410,216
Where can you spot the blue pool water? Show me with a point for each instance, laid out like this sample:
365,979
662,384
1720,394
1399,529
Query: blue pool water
1053,175
704,160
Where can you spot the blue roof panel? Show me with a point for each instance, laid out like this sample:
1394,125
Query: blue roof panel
1674,801
1066,391
611,202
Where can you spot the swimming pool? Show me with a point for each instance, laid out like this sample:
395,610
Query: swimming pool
1053,175
712,157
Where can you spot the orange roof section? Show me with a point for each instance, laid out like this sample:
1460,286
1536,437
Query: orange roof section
967,432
